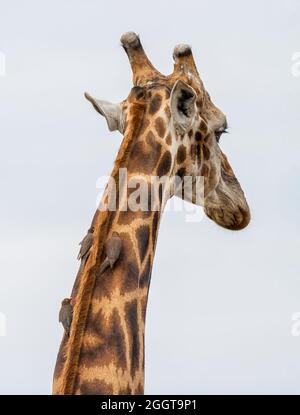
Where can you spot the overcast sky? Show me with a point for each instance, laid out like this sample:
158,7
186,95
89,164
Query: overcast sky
221,304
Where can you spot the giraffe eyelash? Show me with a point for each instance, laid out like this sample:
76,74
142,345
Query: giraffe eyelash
220,132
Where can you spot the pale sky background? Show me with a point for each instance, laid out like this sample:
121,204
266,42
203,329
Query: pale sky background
220,310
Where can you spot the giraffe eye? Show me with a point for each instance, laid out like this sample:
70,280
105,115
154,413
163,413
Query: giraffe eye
218,133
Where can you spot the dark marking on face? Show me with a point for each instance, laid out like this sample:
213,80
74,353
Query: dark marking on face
167,93
207,138
198,153
203,128
146,274
155,104
193,151
190,133
133,329
181,154
204,170
138,92
160,126
142,236
206,152
164,164
198,136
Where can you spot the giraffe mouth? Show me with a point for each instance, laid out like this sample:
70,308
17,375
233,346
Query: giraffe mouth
234,220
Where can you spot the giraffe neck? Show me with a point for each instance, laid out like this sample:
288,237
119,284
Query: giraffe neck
111,359
105,351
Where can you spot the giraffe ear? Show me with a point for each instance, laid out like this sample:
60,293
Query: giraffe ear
112,113
183,106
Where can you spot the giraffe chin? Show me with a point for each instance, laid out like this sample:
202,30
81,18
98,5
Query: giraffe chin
233,220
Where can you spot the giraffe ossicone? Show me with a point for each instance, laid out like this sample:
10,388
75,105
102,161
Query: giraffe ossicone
171,129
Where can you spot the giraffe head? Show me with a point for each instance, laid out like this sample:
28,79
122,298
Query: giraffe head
178,133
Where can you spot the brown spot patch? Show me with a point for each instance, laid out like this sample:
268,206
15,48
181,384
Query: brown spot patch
154,227
198,153
145,155
155,104
204,170
198,136
133,331
139,390
160,126
95,387
160,193
131,275
142,236
138,92
206,152
169,139
146,274
126,217
126,391
181,154
144,302
111,346
164,164
193,151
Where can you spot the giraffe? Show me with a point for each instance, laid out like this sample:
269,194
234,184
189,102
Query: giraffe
171,128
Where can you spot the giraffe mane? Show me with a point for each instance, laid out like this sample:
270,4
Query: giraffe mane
89,275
